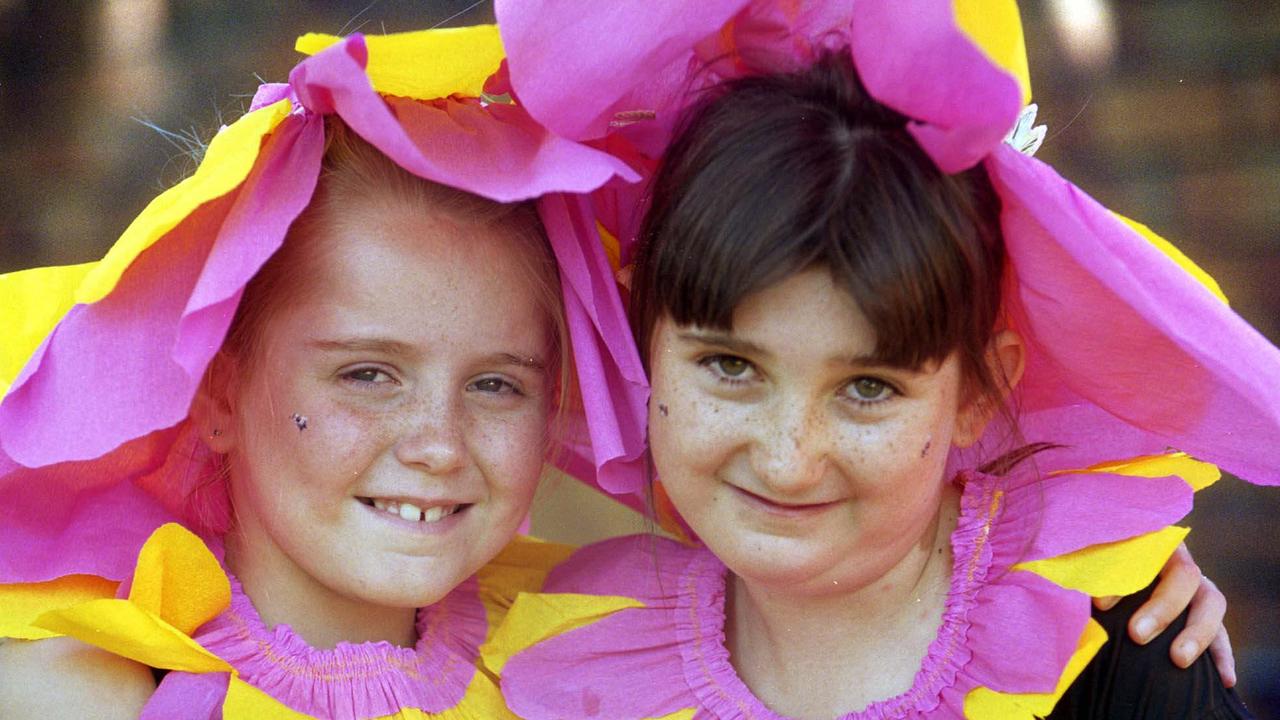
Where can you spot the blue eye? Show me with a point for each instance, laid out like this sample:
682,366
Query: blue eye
728,368
495,386
869,390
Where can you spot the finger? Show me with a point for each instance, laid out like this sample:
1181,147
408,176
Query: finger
1224,658
1106,602
1203,624
1179,582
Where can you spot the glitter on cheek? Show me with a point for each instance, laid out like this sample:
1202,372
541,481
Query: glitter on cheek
300,421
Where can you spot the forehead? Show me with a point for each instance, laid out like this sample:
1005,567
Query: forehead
401,270
805,309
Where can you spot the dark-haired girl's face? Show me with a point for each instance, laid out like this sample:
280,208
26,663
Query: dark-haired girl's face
800,460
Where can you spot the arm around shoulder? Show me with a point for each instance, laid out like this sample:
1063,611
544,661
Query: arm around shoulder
63,677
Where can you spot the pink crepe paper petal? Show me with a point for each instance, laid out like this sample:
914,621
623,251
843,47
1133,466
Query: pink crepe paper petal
614,389
576,66
913,57
1148,351
1024,605
62,521
453,142
1069,512
626,666
188,696
129,364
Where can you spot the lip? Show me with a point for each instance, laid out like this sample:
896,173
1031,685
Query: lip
783,510
439,527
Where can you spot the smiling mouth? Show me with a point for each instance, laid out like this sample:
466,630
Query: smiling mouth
412,513
784,508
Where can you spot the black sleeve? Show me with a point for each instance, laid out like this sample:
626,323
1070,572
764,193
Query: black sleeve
1127,680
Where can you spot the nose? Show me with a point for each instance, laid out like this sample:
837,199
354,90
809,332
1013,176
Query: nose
432,438
790,448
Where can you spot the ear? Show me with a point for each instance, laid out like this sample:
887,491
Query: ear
213,409
1006,357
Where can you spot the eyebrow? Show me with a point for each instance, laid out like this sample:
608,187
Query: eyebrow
527,361
363,344
746,347
387,346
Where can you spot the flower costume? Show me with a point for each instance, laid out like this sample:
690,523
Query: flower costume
111,527
1135,366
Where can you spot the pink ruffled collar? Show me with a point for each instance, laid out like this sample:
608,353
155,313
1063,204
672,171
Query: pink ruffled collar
700,623
1003,628
354,681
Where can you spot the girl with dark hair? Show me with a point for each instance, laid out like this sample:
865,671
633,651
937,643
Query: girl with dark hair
913,393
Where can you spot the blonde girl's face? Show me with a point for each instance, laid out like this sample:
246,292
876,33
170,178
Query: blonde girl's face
390,431
801,461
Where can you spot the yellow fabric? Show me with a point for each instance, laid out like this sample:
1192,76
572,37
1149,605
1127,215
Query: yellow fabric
179,580
227,162
246,702
128,630
985,704
426,64
678,715
1176,255
1199,475
21,604
535,618
995,27
612,249
1118,568
522,566
31,304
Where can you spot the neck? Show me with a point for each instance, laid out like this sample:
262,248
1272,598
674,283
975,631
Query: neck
283,593
786,644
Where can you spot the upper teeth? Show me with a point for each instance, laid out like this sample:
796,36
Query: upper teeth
412,512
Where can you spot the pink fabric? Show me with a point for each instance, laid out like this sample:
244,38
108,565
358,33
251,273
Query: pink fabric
349,682
1011,631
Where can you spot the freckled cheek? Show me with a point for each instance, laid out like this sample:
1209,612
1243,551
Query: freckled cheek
509,450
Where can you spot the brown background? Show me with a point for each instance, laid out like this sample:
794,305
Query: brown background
1167,111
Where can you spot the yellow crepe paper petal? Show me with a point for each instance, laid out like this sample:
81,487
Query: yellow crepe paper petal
995,27
522,566
612,249
179,580
246,702
986,704
1118,568
32,302
22,603
1198,474
426,64
123,628
678,715
227,162
535,618
1177,256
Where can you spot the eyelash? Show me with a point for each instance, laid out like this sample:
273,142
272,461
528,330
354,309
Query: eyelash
888,390
508,387
713,365
350,376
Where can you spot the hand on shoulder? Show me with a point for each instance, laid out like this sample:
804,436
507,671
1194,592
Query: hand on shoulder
63,677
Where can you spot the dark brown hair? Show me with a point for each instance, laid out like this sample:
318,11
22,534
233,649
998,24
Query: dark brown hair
771,175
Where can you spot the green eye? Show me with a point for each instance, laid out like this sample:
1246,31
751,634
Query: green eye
732,366
868,389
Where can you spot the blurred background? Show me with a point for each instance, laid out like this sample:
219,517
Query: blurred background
1167,111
